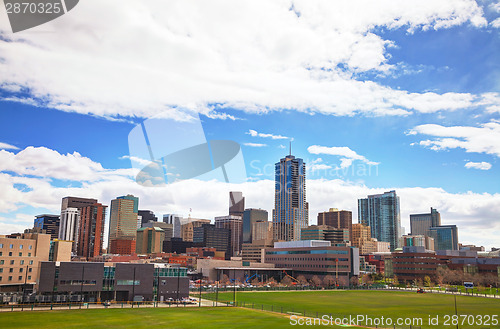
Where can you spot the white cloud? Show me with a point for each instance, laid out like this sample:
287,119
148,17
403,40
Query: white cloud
476,214
495,23
254,133
478,165
259,57
347,155
5,146
140,161
254,144
482,139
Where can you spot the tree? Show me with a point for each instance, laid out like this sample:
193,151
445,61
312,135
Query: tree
224,279
354,281
271,282
316,281
395,281
302,280
328,280
367,279
286,281
256,281
427,281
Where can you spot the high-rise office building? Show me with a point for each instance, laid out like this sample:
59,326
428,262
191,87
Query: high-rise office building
91,230
445,237
176,221
340,219
381,212
236,204
69,226
187,229
123,224
210,236
235,226
48,223
150,240
262,231
250,217
290,212
421,223
168,229
146,216
70,218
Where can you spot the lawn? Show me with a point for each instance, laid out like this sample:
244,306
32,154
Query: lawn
186,318
393,304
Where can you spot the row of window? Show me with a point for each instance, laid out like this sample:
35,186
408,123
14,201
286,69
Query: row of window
19,278
11,254
13,262
11,246
309,252
313,266
326,259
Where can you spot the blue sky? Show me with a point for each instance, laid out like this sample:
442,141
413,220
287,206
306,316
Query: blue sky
410,92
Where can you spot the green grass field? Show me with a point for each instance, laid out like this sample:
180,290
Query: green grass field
186,318
391,304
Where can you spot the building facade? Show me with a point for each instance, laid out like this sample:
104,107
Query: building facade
421,223
150,240
69,226
235,226
340,219
381,212
236,204
123,222
188,228
48,223
91,230
290,212
146,216
250,217
327,233
19,259
208,235
445,237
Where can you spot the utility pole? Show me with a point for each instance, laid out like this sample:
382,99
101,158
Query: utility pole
234,287
24,287
199,301
133,289
456,313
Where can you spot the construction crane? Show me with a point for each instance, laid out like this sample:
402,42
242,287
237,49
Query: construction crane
291,277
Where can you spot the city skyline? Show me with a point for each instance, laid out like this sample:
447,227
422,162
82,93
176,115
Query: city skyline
400,96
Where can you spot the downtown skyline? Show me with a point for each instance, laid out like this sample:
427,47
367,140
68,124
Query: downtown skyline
400,97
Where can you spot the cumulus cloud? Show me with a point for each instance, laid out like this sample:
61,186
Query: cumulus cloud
254,133
5,146
478,165
347,155
482,139
259,57
475,214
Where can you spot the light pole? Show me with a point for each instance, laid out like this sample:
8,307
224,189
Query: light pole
234,287
24,288
133,289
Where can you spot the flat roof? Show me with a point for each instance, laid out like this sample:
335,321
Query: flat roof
255,268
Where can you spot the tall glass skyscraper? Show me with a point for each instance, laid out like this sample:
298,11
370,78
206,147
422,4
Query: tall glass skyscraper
381,213
290,212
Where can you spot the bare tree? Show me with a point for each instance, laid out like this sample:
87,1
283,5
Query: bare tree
302,280
286,281
354,280
328,280
367,279
316,281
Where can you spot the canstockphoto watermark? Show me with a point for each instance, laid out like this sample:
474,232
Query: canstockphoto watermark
354,320
25,14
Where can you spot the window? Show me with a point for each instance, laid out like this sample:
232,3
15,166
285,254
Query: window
11,246
1,253
21,262
29,254
30,247
21,270
20,254
1,270
1,245
10,253
12,262
11,270
20,278
0,278
30,269
21,247
1,262
10,278
29,276
31,262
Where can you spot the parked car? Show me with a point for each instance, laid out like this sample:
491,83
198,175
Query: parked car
420,291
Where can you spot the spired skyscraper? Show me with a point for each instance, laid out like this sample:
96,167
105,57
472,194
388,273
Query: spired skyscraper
381,212
290,212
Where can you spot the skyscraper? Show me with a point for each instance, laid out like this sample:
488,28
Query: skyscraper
445,237
48,223
290,212
146,216
250,217
236,204
69,226
421,223
381,212
91,230
339,219
123,224
235,226
70,218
